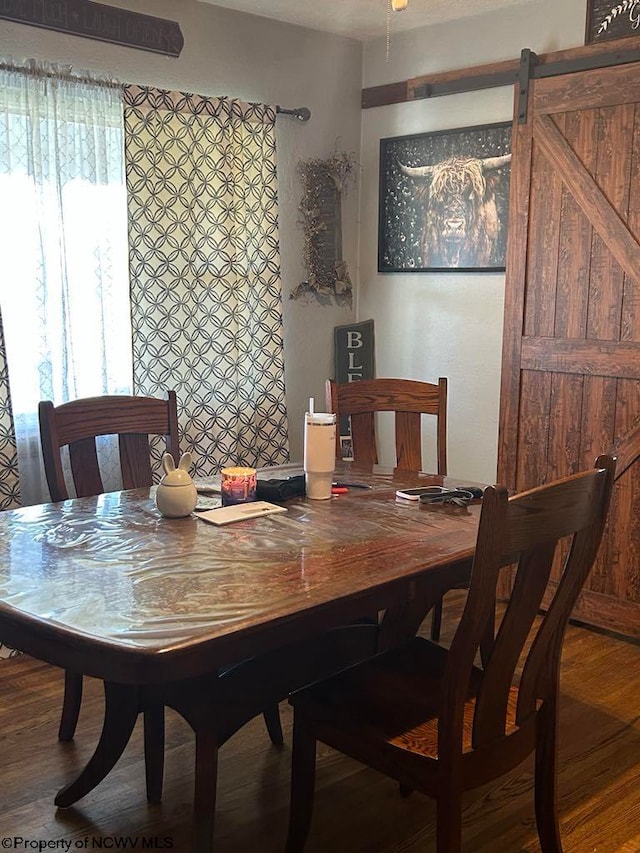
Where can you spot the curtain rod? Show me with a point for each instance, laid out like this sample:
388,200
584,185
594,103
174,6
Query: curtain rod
65,72
57,71
301,113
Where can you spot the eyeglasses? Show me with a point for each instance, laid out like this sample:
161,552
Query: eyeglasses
457,497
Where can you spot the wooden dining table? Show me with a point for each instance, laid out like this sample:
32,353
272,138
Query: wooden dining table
159,608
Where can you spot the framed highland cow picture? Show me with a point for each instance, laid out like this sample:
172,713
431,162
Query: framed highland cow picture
444,200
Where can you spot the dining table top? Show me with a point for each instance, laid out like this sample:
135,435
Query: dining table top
111,587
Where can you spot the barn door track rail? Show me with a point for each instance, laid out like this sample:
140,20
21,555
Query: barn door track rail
510,72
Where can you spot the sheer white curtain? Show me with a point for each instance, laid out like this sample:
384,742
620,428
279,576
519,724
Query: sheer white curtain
64,282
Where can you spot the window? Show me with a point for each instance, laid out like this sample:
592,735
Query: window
64,283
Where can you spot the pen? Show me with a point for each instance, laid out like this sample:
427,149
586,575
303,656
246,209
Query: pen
351,486
339,490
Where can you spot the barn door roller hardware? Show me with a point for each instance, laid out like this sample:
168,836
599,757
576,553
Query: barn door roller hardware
527,65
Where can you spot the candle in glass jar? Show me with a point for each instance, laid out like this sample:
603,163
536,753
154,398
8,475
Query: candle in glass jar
238,485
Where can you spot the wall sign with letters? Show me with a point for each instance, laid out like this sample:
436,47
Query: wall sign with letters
612,19
354,359
97,21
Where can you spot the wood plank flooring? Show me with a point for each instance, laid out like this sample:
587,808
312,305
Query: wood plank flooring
357,811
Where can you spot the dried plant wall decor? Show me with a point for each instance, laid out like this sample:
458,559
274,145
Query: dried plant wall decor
324,182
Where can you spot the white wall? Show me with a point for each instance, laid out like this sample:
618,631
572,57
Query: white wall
243,56
429,325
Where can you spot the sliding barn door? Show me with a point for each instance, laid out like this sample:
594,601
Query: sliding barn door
571,360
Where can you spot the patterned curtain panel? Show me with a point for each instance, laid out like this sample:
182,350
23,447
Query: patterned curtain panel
9,480
205,271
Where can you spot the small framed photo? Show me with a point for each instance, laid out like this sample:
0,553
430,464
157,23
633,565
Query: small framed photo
444,200
610,20
346,448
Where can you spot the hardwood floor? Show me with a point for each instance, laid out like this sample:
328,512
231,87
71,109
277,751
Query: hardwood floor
356,810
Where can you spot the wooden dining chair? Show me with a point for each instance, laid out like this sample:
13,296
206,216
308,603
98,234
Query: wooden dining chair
134,420
408,399
76,425
443,722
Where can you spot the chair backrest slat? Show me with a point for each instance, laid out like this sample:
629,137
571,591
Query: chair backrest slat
363,438
409,399
135,460
85,470
77,424
408,441
526,597
525,530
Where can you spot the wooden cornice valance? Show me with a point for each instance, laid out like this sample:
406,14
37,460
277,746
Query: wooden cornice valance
613,52
97,21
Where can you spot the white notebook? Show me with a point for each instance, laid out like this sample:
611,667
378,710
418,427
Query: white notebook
240,512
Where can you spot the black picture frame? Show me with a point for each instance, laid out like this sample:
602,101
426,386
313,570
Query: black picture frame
452,215
607,19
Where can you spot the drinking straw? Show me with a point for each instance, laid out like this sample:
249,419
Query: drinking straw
310,405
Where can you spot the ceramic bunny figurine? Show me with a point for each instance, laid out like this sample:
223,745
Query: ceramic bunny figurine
176,495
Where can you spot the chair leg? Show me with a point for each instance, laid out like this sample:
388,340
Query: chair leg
546,780
271,716
303,778
436,621
154,752
70,705
204,801
449,822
